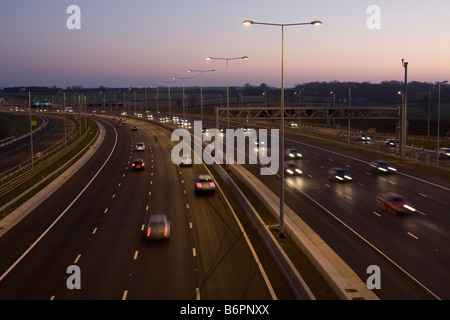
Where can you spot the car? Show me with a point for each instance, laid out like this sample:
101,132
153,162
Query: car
394,203
382,166
291,168
119,124
204,184
140,146
134,128
138,164
293,153
124,122
364,138
258,142
186,161
293,124
390,142
444,153
339,175
114,118
158,227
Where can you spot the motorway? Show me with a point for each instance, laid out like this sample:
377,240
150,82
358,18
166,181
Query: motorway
18,152
96,221
207,257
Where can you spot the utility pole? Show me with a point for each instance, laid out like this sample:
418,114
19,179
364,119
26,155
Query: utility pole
404,112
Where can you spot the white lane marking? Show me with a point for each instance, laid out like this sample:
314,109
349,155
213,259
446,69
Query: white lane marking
415,237
61,215
77,258
124,296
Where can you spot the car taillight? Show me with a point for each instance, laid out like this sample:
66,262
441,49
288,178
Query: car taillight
199,185
165,231
143,164
148,231
133,164
211,184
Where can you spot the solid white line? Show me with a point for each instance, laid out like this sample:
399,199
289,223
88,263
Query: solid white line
194,252
61,215
197,293
135,255
124,296
412,235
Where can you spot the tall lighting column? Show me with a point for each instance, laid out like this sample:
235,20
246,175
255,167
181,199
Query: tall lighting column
438,126
228,92
201,89
168,87
184,108
250,22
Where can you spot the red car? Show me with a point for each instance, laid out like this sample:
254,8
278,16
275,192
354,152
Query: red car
394,203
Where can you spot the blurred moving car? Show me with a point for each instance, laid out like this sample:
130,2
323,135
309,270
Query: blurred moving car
339,175
291,169
293,153
186,161
204,184
394,203
382,166
140,146
293,124
390,142
364,138
444,153
158,227
119,124
134,128
138,164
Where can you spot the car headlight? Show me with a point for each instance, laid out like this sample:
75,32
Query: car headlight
348,177
392,169
291,155
298,171
409,207
290,171
339,178
382,169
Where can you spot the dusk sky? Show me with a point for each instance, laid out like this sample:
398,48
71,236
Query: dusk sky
144,42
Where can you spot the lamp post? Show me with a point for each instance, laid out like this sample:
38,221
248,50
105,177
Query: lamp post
168,87
439,116
201,89
184,109
404,112
228,93
250,22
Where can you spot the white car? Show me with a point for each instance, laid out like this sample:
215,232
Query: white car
140,146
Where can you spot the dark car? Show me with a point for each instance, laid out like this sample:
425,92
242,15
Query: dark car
382,166
394,203
204,184
158,227
134,128
186,161
339,175
138,164
291,169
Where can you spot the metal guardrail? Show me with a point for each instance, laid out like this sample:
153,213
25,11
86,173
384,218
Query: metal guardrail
15,182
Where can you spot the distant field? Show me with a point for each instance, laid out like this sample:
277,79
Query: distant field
13,125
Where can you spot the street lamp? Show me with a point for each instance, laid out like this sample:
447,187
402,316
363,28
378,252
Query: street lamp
250,22
439,116
228,92
168,87
180,78
201,89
